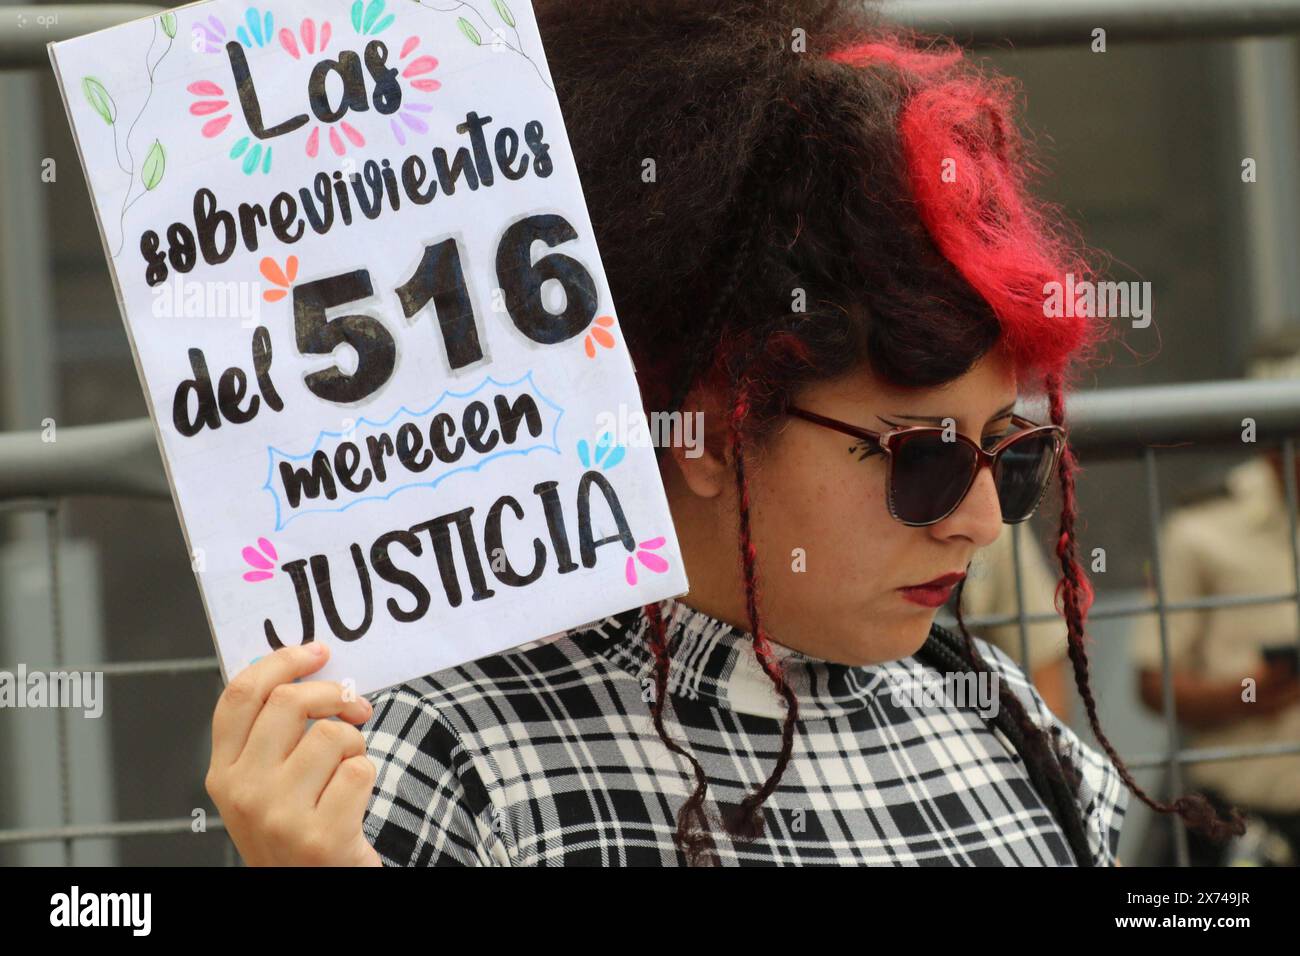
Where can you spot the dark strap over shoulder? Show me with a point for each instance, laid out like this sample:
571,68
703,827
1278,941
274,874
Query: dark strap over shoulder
947,652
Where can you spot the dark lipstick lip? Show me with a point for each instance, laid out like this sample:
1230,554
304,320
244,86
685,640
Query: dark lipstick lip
943,581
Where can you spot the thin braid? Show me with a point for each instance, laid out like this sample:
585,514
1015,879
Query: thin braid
692,836
712,324
692,827
1054,776
749,223
1195,809
748,823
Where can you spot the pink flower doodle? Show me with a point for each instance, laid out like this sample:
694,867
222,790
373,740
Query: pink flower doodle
263,561
645,555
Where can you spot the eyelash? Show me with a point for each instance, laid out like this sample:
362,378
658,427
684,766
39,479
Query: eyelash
866,449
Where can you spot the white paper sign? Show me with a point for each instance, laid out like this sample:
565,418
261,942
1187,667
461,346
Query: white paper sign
360,281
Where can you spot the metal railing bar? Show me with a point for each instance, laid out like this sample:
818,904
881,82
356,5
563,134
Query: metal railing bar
57,644
1117,422
990,23
121,458
90,831
183,665
999,23
1212,755
28,504
1118,609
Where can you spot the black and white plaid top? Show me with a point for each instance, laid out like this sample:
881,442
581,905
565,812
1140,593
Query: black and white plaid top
546,755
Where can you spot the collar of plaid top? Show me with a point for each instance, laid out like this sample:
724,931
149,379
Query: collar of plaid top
714,662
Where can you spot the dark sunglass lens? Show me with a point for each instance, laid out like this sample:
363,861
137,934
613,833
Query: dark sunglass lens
930,475
1022,473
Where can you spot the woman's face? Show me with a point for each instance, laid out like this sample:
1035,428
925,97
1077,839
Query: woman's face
830,558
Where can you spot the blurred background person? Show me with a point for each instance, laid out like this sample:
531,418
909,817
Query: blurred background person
1234,541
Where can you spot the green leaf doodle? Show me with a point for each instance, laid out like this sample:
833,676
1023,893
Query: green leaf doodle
467,28
155,162
169,24
504,12
99,99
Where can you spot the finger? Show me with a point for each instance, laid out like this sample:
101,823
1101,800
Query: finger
344,800
317,757
244,696
283,720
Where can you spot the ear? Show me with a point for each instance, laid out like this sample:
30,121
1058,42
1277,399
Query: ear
701,451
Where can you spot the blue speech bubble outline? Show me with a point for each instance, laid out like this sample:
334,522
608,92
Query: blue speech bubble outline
528,377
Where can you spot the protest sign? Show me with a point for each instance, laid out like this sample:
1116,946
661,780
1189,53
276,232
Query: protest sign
366,305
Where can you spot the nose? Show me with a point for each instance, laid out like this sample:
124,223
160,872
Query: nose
978,518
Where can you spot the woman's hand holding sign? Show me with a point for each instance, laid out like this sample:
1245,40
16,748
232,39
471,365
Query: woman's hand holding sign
290,795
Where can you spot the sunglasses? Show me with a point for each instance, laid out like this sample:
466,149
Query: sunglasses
931,470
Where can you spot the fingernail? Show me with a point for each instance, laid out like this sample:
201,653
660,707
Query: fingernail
316,649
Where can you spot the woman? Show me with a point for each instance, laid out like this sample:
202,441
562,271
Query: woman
834,242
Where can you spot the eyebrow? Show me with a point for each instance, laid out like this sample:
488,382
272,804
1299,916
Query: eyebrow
1001,413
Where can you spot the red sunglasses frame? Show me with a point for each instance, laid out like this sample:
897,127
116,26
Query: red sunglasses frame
989,458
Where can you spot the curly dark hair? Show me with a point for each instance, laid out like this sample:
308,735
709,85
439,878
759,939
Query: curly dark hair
805,145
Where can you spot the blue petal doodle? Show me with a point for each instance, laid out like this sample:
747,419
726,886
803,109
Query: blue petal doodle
605,457
261,27
365,22
614,458
250,163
